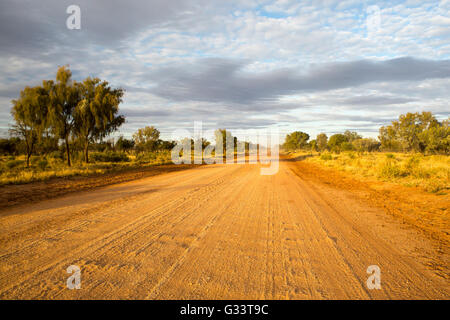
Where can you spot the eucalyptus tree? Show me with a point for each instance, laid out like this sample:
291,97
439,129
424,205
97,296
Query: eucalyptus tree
146,139
321,141
64,97
30,113
296,140
96,114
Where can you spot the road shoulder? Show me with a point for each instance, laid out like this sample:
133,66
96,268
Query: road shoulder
13,195
417,221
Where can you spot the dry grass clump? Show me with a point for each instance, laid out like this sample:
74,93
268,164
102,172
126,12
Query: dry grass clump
13,170
431,172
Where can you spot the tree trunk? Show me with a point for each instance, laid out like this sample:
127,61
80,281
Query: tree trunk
28,159
86,152
29,151
68,151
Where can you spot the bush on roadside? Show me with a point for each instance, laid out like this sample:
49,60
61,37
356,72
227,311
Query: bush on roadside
159,157
56,155
326,156
42,164
109,156
389,169
11,164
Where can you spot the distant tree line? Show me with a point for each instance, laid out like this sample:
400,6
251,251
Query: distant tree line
63,116
147,139
412,132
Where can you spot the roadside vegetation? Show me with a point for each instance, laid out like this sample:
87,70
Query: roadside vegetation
413,151
429,172
63,128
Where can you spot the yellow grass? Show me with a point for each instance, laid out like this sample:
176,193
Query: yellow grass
431,172
57,168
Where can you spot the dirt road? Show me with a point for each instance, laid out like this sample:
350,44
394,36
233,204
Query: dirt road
214,232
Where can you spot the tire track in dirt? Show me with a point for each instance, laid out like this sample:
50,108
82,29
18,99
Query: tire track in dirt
216,232
117,233
155,291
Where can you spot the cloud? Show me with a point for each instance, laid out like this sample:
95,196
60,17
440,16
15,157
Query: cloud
42,24
238,62
376,100
221,80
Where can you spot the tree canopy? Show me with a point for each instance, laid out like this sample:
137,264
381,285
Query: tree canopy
96,114
146,139
416,132
296,140
30,113
67,110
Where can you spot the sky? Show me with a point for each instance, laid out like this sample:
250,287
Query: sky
314,66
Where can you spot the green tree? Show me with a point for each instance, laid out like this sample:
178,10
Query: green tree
124,144
166,145
48,143
96,114
296,140
413,132
436,138
389,139
313,145
366,145
322,141
30,113
336,141
9,146
351,136
64,98
146,139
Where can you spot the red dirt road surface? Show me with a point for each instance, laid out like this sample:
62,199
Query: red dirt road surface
216,232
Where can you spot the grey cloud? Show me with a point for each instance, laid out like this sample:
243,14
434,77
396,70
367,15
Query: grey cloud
375,100
144,113
41,24
374,119
12,91
222,80
222,91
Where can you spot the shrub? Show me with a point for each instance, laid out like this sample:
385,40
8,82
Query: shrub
57,155
42,164
346,146
434,186
146,157
14,163
351,155
326,156
35,159
411,165
158,157
109,157
390,170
